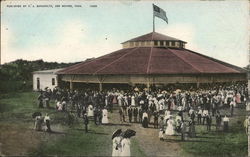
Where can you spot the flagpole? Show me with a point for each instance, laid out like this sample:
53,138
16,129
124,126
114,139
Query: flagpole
153,18
153,23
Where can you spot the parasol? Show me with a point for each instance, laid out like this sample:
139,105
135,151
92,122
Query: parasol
35,114
116,133
178,90
128,133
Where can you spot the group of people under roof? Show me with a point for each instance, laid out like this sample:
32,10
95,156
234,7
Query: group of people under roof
165,109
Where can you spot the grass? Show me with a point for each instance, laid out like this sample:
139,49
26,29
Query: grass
17,108
233,143
96,142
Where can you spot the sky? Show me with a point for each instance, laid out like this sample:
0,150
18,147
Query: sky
218,29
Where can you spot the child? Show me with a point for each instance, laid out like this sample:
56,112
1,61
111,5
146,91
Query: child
161,134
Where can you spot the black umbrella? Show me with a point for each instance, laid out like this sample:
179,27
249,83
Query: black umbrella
129,133
35,114
116,133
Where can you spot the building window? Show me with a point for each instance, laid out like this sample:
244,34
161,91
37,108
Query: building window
131,44
161,43
156,43
177,44
167,43
53,81
148,43
136,43
38,83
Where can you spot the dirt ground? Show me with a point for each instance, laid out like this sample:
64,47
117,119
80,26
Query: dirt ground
148,138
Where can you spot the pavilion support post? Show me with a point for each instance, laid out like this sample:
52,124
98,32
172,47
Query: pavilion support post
198,84
148,86
100,86
71,86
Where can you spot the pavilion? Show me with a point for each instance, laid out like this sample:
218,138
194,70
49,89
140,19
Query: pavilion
152,59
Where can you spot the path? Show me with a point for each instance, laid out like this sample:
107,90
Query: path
147,138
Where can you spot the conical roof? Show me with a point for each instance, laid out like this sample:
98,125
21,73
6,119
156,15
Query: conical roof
152,60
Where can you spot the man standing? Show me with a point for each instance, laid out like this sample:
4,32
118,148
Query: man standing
99,116
40,100
135,114
218,121
86,122
204,116
225,123
209,122
130,114
246,123
199,115
232,103
140,115
46,99
122,116
95,115
192,132
213,109
156,115
47,122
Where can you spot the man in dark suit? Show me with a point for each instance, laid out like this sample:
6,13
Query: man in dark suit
140,115
86,122
95,115
156,115
209,122
218,121
135,114
130,114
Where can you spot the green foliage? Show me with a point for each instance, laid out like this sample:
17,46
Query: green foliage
17,75
14,86
21,70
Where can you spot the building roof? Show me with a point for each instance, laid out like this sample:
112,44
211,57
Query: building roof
152,60
51,71
154,36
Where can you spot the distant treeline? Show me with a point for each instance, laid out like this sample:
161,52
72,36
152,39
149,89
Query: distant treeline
21,70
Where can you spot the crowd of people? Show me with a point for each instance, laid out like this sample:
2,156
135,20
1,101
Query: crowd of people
172,111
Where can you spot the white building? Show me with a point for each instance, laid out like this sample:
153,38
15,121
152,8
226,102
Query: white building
45,78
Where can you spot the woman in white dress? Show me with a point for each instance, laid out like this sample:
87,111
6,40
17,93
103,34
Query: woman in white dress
119,98
133,100
170,127
105,116
90,111
117,149
59,106
125,147
106,100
